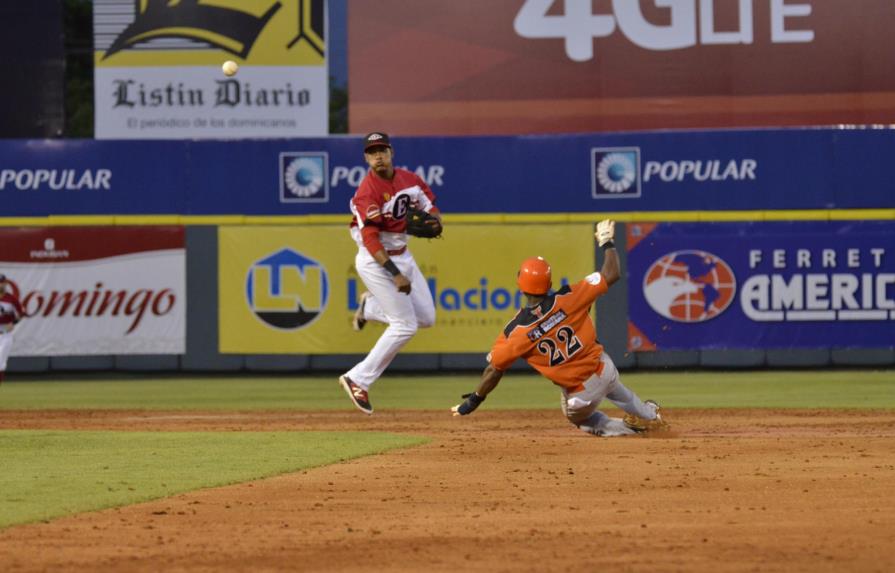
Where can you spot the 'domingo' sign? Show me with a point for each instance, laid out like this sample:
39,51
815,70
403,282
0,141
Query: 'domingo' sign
98,290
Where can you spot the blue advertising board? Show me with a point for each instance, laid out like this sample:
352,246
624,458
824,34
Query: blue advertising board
761,285
581,173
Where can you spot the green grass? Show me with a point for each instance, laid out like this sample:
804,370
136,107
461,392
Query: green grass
48,474
785,389
701,389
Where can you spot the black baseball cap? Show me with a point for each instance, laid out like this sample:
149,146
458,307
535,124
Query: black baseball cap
2,278
376,139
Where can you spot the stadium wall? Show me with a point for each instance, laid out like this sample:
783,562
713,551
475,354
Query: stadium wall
203,355
703,174
712,177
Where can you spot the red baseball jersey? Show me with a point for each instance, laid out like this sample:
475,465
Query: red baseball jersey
557,337
384,204
11,311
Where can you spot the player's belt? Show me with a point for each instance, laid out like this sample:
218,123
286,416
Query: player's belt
396,252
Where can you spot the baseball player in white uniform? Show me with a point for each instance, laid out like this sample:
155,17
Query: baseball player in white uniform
11,312
397,292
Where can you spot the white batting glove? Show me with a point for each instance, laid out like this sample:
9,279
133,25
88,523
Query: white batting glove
605,231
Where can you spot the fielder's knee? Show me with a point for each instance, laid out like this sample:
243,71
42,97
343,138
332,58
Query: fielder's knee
425,317
404,330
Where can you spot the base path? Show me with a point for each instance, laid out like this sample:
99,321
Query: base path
726,490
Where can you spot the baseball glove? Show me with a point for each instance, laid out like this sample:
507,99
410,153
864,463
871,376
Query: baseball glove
422,224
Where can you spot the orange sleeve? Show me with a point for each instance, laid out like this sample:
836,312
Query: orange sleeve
505,351
586,291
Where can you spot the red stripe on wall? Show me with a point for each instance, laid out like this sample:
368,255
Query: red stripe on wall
67,244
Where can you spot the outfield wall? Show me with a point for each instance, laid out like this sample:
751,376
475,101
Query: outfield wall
718,196
194,182
203,350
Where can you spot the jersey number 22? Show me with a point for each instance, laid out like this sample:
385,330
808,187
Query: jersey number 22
556,355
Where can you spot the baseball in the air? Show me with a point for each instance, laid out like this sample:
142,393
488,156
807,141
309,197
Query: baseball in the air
230,68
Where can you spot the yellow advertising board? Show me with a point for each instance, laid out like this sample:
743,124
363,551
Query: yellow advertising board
294,289
254,32
159,69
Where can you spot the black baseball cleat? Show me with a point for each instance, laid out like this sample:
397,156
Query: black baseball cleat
357,394
359,322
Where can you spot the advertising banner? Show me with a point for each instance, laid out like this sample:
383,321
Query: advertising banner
558,66
585,173
97,290
294,289
761,285
158,69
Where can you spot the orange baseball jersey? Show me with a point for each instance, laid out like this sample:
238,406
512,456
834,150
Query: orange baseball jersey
557,337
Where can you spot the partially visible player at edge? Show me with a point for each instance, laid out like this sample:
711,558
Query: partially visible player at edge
556,336
11,312
397,292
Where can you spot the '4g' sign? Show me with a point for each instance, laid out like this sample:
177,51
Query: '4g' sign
579,25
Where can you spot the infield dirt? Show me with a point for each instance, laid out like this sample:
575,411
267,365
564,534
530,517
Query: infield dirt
725,490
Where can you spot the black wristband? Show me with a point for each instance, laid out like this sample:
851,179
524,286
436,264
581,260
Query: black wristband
391,267
609,245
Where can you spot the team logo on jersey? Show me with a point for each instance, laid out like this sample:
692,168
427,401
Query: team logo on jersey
372,212
689,286
287,290
303,177
547,325
615,172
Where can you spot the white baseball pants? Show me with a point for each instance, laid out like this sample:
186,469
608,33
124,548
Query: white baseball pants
403,313
5,348
581,407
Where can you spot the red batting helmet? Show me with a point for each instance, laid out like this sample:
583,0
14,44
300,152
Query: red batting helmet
534,276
